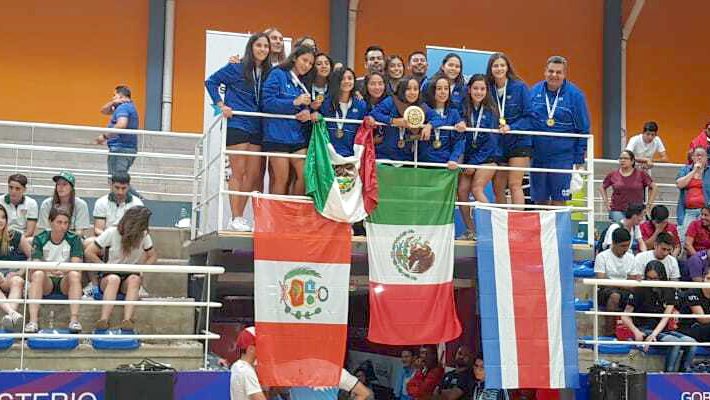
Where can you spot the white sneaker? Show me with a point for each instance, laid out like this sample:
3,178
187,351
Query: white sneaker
89,291
142,293
239,224
12,322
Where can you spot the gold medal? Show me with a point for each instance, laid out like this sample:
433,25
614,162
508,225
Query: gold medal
319,98
340,133
550,122
400,143
502,122
437,143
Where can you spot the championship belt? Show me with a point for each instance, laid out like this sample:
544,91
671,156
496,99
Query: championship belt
415,117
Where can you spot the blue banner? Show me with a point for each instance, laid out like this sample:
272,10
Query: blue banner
678,386
474,61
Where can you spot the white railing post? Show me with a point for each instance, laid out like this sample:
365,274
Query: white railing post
222,174
207,316
195,188
590,190
596,323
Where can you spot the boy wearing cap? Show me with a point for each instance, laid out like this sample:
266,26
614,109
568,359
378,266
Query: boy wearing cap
243,382
65,198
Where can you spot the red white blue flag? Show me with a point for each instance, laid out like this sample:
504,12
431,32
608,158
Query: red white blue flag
526,288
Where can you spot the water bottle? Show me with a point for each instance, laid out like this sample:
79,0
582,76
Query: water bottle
51,320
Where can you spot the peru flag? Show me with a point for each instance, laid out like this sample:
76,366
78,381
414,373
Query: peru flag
301,282
526,288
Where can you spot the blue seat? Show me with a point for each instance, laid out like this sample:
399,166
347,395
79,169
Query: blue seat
99,295
576,240
589,346
619,348
123,340
581,271
55,296
702,351
47,343
583,305
5,342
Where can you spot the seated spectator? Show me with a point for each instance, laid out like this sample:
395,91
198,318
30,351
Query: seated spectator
56,245
126,244
458,383
427,378
633,217
662,253
659,223
479,389
693,181
646,145
12,247
348,383
696,266
362,377
404,375
696,301
628,187
615,263
650,329
697,237
65,198
21,209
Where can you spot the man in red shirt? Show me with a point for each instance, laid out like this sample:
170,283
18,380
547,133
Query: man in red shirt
698,236
659,223
427,378
702,140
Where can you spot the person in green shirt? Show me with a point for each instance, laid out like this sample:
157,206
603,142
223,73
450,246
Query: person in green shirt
56,245
12,246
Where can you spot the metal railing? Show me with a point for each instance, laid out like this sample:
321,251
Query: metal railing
28,266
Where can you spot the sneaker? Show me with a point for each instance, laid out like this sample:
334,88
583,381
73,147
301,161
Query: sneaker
127,325
101,324
12,322
239,224
142,293
31,327
74,327
89,290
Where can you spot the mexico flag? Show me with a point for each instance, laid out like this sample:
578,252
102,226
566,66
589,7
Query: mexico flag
343,189
410,245
301,281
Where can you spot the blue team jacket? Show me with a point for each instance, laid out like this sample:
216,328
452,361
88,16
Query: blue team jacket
384,112
357,110
240,96
452,142
277,96
457,95
571,115
485,147
517,114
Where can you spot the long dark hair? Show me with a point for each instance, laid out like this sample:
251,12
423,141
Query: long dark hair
402,89
511,75
487,102
132,227
299,43
459,79
282,55
368,98
249,62
310,78
334,85
7,233
430,94
72,197
289,62
655,265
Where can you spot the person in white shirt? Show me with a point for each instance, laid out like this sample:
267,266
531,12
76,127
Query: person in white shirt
661,252
646,145
243,382
632,220
125,243
348,383
22,210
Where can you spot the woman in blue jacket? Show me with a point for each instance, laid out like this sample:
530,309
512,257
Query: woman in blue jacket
375,92
451,68
512,101
481,147
343,104
399,141
285,93
243,82
444,146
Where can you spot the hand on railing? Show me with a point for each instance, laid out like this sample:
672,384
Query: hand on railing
226,111
302,100
303,115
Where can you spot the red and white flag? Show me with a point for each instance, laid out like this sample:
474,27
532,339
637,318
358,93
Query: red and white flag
301,281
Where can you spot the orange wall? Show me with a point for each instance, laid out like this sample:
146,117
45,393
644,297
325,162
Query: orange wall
668,78
194,17
60,63
528,31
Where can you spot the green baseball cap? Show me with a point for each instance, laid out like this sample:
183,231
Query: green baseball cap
67,176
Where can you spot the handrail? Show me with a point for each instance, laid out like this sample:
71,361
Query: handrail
82,150
635,283
210,304
655,164
191,136
103,336
67,266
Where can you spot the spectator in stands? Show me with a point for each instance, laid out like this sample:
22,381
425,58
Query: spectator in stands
65,198
458,383
631,221
697,237
374,62
693,181
481,148
394,69
418,65
397,144
427,378
276,41
513,104
661,252
615,263
403,376
22,211
557,106
60,245
451,69
109,208
657,224
126,243
284,93
646,145
703,138
355,390
479,390
342,103
444,146
363,378
696,301
243,382
13,247
123,116
650,329
243,82
628,187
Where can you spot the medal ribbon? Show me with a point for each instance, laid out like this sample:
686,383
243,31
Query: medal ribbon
339,110
437,131
257,85
501,107
298,82
551,111
478,123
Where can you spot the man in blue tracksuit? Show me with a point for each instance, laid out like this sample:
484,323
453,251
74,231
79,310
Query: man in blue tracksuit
557,106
